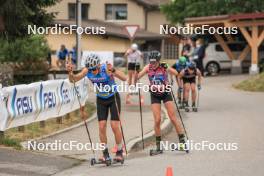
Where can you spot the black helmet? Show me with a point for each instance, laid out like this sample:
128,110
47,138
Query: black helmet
154,56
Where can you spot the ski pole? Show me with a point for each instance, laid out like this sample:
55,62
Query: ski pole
140,109
198,98
179,114
82,112
141,118
121,127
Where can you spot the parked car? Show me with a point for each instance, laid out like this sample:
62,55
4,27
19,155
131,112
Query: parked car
216,59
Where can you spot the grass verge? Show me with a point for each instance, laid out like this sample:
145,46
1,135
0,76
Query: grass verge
254,84
13,137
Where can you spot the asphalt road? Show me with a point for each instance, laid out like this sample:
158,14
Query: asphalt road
23,163
225,116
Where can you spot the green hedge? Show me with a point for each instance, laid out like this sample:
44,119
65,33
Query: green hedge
34,48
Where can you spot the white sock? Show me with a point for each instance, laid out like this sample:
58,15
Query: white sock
119,146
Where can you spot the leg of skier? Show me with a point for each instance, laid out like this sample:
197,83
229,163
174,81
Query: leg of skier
130,76
169,105
156,109
103,140
187,87
193,89
115,109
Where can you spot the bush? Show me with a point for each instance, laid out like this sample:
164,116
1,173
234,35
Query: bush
34,48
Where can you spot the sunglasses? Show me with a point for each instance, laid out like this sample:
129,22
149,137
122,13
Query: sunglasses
93,68
152,61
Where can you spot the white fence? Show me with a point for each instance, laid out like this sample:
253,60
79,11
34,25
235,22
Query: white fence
24,104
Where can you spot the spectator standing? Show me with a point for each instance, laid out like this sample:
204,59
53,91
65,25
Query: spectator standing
62,55
199,54
73,55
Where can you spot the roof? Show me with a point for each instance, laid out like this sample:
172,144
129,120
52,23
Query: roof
113,29
152,3
219,18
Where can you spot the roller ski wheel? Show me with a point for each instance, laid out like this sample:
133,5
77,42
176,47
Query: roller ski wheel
153,152
187,109
107,161
122,161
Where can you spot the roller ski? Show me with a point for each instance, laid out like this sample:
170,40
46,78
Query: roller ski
105,159
154,152
119,158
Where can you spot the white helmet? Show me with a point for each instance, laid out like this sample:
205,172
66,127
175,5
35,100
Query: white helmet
91,60
134,46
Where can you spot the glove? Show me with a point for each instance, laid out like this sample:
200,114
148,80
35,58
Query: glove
199,87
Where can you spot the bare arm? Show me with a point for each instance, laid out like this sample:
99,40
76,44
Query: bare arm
78,76
143,72
75,77
116,73
120,75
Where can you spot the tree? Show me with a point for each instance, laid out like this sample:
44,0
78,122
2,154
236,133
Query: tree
17,14
33,48
177,10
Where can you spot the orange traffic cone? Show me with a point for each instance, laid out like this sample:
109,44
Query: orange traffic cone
169,171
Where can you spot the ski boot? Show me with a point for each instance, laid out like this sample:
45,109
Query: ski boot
194,108
179,102
157,151
182,105
106,158
119,158
183,145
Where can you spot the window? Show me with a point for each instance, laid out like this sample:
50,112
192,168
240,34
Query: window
116,12
72,11
170,50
